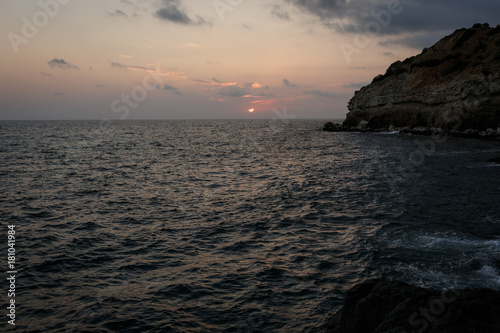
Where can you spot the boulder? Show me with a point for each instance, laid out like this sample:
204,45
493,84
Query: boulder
378,306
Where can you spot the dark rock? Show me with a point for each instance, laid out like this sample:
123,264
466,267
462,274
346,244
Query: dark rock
453,86
331,127
494,160
378,306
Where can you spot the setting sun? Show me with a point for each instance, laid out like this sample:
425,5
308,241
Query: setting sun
251,110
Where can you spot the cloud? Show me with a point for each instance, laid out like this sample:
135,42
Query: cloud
417,41
215,82
268,95
280,13
100,86
319,93
61,63
173,89
287,83
117,64
46,74
389,54
251,85
118,13
59,94
356,85
158,71
191,44
172,11
349,16
233,92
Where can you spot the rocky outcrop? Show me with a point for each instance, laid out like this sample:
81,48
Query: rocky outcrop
332,127
452,87
378,306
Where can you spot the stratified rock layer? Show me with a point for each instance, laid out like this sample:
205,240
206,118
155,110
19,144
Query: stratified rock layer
452,87
378,306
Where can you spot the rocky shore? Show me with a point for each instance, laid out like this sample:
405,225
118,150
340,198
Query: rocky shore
378,306
451,88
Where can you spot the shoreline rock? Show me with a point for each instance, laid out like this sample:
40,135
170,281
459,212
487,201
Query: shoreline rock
488,134
378,306
333,127
453,87
494,160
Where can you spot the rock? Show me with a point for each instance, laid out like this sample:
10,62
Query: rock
378,306
453,86
331,127
494,160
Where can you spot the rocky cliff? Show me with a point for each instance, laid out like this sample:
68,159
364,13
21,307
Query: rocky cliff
451,87
378,306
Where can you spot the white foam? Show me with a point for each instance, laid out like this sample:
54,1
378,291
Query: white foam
387,133
491,275
447,260
451,241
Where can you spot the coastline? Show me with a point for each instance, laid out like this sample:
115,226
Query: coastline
488,134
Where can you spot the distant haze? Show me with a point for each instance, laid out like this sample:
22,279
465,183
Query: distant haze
209,59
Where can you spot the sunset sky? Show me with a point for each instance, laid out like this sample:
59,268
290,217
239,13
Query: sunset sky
204,59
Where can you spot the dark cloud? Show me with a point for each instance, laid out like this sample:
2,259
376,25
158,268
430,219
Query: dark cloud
118,65
280,13
46,74
118,13
319,93
268,95
233,92
172,89
417,41
389,54
59,94
287,83
172,11
414,16
100,86
61,63
248,85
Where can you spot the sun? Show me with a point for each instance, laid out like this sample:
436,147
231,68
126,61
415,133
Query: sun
251,110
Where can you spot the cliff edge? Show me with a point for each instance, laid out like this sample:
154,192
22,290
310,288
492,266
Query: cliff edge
452,87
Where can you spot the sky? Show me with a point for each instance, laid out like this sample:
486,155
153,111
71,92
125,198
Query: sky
209,59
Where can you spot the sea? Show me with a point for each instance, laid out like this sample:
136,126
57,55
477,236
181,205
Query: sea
234,225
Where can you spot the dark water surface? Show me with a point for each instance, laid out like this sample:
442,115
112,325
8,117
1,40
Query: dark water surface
235,226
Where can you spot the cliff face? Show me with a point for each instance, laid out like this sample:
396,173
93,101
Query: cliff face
454,87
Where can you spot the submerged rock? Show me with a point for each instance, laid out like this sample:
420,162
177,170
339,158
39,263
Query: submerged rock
453,86
378,306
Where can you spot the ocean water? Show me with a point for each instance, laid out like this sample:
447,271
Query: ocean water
235,226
